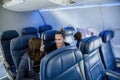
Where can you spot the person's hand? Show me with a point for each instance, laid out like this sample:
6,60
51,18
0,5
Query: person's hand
42,48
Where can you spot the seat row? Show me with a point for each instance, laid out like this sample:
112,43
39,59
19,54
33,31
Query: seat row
93,61
19,44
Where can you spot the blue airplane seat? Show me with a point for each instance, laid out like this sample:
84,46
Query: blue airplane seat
69,31
43,28
18,47
48,38
107,55
29,31
65,63
6,37
94,68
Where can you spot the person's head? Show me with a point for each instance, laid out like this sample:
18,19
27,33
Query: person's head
35,49
92,33
59,38
78,36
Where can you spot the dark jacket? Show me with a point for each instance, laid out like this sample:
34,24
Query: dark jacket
53,47
25,70
78,43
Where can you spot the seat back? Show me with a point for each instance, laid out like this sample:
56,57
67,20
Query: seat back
29,31
106,49
65,63
48,38
44,28
93,65
69,37
6,37
18,47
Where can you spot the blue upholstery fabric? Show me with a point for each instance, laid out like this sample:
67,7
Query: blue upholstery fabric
62,64
106,35
69,38
93,65
69,30
48,38
18,47
6,37
106,51
44,28
90,44
29,31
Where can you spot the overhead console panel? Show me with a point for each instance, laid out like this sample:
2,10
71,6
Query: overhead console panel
29,5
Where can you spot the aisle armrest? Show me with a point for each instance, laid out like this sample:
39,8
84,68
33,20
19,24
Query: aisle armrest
118,62
113,74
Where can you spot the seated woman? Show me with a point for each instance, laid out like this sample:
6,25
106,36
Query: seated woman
78,37
30,62
59,40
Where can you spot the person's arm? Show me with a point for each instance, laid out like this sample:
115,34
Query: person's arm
22,69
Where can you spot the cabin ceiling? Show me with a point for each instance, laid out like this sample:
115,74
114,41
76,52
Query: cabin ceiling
29,5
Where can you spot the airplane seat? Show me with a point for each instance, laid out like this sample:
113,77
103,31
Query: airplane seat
106,52
18,46
65,63
29,31
43,28
94,68
6,37
48,38
69,31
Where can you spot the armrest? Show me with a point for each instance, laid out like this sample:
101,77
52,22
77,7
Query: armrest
118,59
27,79
113,74
117,62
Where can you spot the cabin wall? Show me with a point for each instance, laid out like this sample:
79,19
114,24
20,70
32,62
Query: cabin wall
89,18
94,19
111,17
10,20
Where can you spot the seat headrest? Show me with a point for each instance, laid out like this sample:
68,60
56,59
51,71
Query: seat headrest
44,28
69,30
48,35
10,34
29,30
106,35
90,44
59,61
21,42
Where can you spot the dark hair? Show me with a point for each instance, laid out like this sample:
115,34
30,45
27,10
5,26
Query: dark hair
62,32
34,49
78,36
